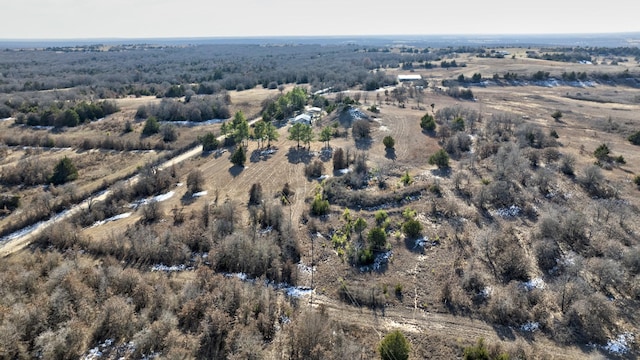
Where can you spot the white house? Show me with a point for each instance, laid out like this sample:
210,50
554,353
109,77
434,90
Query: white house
302,118
410,77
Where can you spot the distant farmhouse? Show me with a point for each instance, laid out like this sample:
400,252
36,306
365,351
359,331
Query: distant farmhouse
410,77
302,118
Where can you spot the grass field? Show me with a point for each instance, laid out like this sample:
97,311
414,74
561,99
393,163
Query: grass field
424,290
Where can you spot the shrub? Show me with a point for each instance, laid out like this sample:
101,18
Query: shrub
602,152
592,179
635,138
339,160
151,212
440,159
412,228
314,169
209,142
169,133
151,126
567,165
381,216
255,194
64,171
636,180
457,124
128,127
377,238
394,346
361,129
319,206
428,123
389,142
406,178
195,180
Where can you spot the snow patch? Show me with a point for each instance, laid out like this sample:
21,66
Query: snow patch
486,292
306,269
157,198
174,268
293,291
510,212
199,194
530,326
535,283
29,229
113,218
298,291
194,123
163,197
423,242
621,344
380,260
266,230
344,171
322,177
384,128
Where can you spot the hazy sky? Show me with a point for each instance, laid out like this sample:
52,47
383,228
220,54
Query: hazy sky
63,19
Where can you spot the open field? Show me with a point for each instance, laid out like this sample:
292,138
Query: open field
539,261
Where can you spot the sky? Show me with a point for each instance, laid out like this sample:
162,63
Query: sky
87,19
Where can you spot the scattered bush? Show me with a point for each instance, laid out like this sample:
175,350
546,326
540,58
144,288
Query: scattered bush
602,152
169,133
339,160
412,228
63,172
394,346
319,206
195,181
389,142
567,165
377,238
440,159
361,129
314,170
209,142
635,138
151,126
255,194
428,123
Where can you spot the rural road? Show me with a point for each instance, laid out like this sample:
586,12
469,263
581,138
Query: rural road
20,239
417,321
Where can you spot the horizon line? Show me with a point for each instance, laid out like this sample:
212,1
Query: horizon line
316,36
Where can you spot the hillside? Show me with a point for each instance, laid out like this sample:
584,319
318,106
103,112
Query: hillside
512,220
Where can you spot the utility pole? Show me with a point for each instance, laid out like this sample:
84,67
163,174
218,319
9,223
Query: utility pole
312,236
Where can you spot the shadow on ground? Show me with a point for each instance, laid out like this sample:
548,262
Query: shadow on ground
297,155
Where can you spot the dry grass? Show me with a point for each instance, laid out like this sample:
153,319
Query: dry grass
450,218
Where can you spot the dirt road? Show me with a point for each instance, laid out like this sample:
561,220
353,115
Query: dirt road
418,321
20,239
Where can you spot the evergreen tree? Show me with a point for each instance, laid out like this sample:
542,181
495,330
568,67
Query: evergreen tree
440,159
239,157
428,123
64,172
394,346
151,126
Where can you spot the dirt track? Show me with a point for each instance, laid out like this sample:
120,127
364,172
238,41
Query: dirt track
417,321
22,238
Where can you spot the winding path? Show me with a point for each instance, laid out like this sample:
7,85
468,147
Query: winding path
20,239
